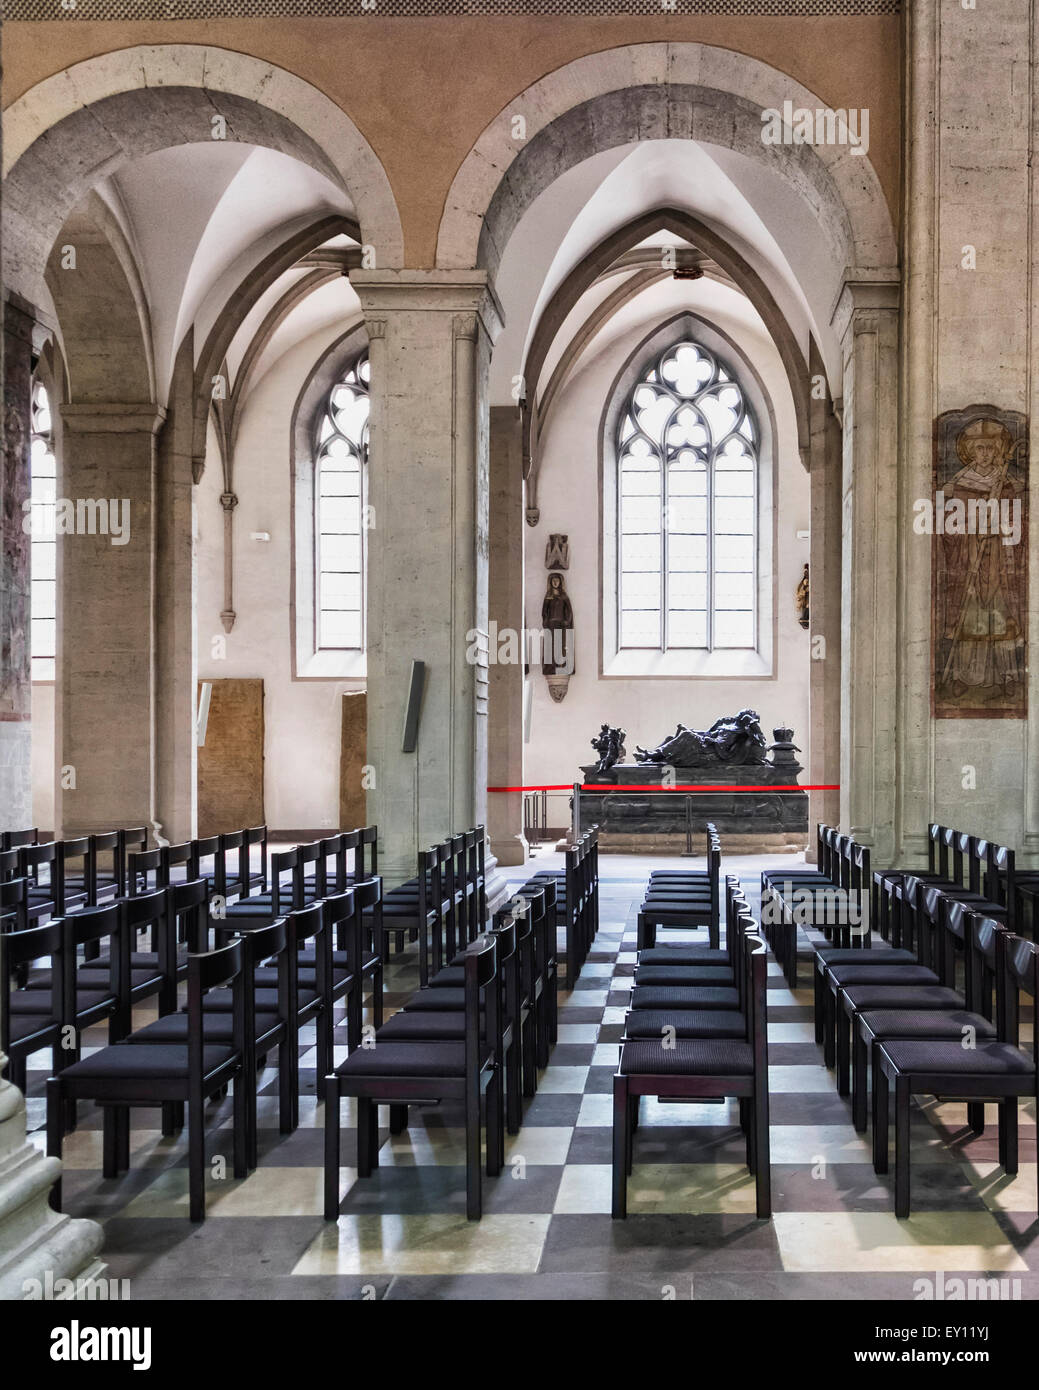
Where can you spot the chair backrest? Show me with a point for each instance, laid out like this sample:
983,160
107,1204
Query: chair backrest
369,850
84,928
481,964
263,944
255,835
190,901
8,864
21,948
755,962
15,839
305,924
105,843
205,858
217,969
342,917
1018,970
31,858
68,852
145,871
129,839
428,907
286,861
1001,874
14,903
330,874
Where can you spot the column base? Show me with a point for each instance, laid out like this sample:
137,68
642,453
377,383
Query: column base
509,850
38,1246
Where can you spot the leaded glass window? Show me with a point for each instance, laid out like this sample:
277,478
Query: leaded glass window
341,506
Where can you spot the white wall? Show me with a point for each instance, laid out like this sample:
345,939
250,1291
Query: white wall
649,709
302,718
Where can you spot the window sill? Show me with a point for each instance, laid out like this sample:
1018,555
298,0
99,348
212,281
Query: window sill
687,665
333,665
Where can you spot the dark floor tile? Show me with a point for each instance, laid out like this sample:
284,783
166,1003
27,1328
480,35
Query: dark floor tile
668,1246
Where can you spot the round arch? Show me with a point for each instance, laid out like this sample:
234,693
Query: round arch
645,92
68,131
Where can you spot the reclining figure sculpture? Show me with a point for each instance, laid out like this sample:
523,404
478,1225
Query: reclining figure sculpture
735,740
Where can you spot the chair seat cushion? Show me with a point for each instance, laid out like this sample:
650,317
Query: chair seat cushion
452,975
217,1028
882,974
139,960
688,1057
868,955
222,1000
683,955
447,997
687,1023
684,997
933,1055
863,997
684,975
32,1001
144,1063
421,1059
445,1025
909,1023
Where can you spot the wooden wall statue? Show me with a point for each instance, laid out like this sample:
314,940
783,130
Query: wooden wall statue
230,762
352,758
978,519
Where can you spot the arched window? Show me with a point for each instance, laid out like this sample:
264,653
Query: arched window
44,549
340,506
687,467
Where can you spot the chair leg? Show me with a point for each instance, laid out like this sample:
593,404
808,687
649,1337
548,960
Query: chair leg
829,1041
880,1118
55,1133
473,1173
495,1125
1008,1122
513,1087
332,1149
817,984
859,1077
398,1119
621,1145
762,1153
842,1040
244,1082
530,1065
169,1119
122,1131
976,1116
364,1140
324,1050
901,1146
109,1143
196,1159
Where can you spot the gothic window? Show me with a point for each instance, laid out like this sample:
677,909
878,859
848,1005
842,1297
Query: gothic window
43,557
687,451
340,507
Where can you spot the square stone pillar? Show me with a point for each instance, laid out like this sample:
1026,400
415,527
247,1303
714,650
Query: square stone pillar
105,705
866,320
824,738
431,334
505,723
15,575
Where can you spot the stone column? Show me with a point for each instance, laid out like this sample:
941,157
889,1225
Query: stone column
505,724
176,770
430,334
866,320
15,669
105,715
824,739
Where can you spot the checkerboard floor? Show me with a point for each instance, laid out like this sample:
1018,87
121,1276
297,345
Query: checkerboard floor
546,1231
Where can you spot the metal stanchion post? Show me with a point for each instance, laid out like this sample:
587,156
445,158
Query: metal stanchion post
576,833
687,853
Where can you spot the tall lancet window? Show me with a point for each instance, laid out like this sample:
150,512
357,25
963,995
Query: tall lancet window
44,550
687,451
341,501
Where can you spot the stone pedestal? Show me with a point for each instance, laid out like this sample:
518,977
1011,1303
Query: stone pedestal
35,1241
430,339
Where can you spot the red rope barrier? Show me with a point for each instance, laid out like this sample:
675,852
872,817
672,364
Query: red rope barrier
696,787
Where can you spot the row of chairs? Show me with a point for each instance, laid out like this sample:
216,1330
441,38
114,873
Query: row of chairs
901,1017
834,897
969,867
479,1028
684,897
246,998
576,899
697,1029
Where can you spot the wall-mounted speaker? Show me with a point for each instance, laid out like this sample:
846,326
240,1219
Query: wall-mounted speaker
413,709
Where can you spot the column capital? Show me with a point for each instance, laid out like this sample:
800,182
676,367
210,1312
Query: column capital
108,418
863,289
456,292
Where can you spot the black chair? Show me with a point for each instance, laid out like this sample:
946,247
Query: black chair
121,1077
31,1019
266,1028
995,1071
700,1068
400,1073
